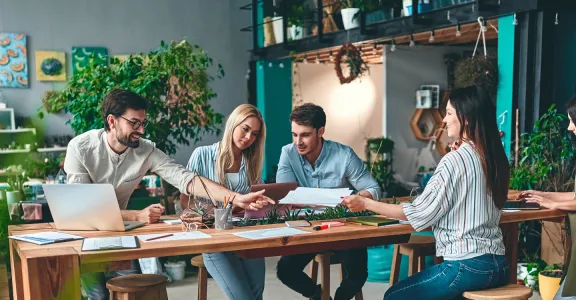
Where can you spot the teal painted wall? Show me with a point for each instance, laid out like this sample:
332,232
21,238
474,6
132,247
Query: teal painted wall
274,100
504,96
565,59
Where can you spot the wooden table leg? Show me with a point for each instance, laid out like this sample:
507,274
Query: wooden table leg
16,271
510,233
52,276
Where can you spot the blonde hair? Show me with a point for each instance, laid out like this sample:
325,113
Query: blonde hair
254,155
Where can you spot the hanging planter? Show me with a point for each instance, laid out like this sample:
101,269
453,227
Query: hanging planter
478,70
354,60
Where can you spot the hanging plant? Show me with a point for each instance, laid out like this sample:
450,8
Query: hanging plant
479,70
52,103
356,64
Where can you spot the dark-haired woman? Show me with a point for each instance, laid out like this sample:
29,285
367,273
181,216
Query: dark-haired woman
462,203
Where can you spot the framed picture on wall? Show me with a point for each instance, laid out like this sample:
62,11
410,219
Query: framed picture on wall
434,94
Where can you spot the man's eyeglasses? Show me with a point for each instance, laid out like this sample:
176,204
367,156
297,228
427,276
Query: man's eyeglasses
136,124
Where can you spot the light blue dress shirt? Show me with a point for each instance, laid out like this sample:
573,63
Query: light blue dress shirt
336,167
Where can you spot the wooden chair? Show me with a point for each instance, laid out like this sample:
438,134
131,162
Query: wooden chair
138,287
198,261
508,292
417,248
325,260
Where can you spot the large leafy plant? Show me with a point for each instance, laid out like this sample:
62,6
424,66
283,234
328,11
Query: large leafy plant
175,79
547,160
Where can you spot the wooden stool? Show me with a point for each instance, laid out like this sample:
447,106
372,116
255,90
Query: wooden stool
417,248
325,260
508,292
198,261
138,286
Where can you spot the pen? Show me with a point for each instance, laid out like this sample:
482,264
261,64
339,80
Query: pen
159,237
326,226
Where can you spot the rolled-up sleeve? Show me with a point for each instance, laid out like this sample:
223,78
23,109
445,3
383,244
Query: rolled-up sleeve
74,166
285,171
427,209
175,174
359,177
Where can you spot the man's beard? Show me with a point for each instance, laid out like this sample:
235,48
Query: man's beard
126,141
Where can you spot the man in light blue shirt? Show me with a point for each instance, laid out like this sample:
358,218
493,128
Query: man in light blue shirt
314,162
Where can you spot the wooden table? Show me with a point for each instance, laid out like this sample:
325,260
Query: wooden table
53,271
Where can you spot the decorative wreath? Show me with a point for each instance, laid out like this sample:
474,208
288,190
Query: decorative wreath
354,60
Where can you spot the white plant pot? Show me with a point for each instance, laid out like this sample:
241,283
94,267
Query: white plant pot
12,197
175,269
530,280
296,32
278,25
348,18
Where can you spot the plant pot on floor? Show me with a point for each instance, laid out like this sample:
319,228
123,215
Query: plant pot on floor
175,269
350,17
549,283
526,277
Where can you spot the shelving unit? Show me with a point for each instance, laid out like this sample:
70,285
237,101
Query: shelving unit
52,149
12,151
19,130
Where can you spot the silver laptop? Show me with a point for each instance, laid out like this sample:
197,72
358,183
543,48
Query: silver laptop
86,207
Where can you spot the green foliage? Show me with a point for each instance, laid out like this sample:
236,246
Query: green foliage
273,216
292,215
297,12
379,160
52,103
175,79
547,160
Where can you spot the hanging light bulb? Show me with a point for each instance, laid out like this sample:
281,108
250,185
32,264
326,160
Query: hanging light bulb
281,65
458,32
305,60
515,22
484,28
556,21
317,58
375,50
431,39
270,65
393,46
331,56
412,43
260,67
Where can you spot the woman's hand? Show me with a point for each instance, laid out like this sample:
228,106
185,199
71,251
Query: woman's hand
355,202
529,193
252,201
542,201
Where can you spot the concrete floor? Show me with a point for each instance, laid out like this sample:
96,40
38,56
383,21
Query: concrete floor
188,288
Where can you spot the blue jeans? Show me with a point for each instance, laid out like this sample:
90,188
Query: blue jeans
239,278
94,284
451,278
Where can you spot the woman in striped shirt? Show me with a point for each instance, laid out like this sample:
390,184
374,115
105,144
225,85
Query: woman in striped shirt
236,163
462,203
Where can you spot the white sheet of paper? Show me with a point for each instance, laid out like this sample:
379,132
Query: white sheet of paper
173,222
269,233
316,196
510,210
49,237
109,243
193,235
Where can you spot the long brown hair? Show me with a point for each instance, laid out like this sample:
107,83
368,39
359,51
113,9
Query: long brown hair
477,115
254,154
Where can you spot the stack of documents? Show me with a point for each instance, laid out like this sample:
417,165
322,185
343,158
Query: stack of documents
316,196
43,238
109,243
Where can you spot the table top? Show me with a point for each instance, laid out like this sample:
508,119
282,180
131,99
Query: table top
224,240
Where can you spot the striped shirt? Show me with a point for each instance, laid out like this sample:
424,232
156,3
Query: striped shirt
456,204
203,161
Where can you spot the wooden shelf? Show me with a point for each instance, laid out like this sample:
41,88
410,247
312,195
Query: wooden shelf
14,151
18,130
425,118
52,149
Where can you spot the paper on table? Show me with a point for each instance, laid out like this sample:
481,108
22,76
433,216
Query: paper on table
510,210
173,221
269,233
42,238
193,235
316,196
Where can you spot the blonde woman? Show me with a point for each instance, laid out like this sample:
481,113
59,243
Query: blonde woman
236,163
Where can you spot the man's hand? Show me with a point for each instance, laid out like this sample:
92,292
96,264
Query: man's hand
355,202
252,201
151,214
